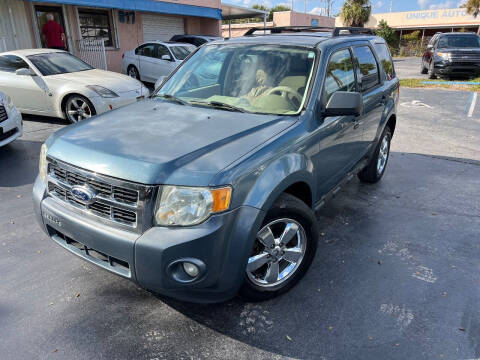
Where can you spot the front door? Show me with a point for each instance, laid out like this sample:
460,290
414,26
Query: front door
337,139
41,12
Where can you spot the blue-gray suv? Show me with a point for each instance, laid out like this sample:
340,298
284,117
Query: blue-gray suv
208,188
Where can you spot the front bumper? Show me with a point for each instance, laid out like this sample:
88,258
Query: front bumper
457,68
12,128
124,98
223,244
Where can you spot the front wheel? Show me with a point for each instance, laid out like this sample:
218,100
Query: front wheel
283,250
375,169
423,69
431,71
78,108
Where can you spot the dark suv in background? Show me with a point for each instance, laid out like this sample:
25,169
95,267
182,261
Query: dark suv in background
212,189
452,54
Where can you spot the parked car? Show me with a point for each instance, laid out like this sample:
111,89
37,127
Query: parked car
214,192
151,60
452,54
197,40
55,83
11,125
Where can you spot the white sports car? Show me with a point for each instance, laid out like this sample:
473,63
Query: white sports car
11,125
56,83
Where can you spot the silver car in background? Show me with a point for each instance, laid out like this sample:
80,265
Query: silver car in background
154,59
11,125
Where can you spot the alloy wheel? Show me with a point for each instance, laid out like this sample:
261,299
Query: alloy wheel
78,109
133,73
383,155
278,252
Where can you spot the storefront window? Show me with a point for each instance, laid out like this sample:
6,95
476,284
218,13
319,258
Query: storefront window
96,24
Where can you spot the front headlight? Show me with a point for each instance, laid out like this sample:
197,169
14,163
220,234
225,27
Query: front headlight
42,163
186,206
9,102
444,55
102,91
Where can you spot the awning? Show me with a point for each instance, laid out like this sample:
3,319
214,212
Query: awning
146,6
232,12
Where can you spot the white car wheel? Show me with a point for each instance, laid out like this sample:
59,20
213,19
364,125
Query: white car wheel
78,108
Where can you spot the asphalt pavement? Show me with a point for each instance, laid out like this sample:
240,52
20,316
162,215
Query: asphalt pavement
408,67
396,275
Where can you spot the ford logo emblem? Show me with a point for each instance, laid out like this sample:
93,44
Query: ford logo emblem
83,193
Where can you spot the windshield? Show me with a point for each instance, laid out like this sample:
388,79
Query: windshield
259,78
470,41
58,63
181,52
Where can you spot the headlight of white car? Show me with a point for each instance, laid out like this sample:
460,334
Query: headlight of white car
42,163
9,102
186,206
102,91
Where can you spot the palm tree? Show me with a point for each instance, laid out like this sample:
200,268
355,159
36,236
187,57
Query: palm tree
356,12
473,8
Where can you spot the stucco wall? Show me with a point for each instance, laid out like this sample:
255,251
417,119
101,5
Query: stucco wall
202,26
299,19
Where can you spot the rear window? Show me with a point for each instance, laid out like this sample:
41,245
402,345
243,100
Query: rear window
383,54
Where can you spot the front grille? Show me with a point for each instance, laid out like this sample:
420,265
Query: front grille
115,200
3,113
6,135
465,56
107,261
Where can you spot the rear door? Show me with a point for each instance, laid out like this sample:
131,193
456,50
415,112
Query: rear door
147,62
371,87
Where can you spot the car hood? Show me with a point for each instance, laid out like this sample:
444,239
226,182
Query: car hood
159,142
111,80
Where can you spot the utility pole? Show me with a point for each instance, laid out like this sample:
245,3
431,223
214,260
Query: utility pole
391,5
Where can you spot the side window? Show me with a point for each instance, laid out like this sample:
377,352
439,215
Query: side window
146,50
386,59
11,63
368,67
340,74
162,50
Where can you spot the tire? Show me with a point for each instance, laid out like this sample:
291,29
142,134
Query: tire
300,248
373,172
431,71
423,69
132,71
77,108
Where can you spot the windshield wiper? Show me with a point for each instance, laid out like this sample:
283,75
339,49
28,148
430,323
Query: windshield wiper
174,98
222,105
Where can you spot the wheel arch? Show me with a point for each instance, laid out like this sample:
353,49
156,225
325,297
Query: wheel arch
65,97
290,174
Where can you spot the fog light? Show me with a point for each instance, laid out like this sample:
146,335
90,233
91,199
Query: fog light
191,269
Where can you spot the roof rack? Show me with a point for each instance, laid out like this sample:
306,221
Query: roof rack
335,31
342,31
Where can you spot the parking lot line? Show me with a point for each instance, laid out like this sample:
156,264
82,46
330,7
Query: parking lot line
472,102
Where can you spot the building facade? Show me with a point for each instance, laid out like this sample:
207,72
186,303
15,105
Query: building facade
122,25
280,18
428,22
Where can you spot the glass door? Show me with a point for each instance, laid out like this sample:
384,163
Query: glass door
41,12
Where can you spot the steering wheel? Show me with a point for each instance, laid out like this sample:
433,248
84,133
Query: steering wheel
284,90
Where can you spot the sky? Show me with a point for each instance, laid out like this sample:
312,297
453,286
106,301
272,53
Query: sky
378,6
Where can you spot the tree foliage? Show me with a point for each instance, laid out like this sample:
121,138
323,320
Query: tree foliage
473,7
355,12
388,34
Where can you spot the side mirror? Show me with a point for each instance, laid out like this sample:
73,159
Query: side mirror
166,57
343,103
25,72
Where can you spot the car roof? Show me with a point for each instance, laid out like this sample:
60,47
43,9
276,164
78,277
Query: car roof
27,52
167,43
457,33
309,39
